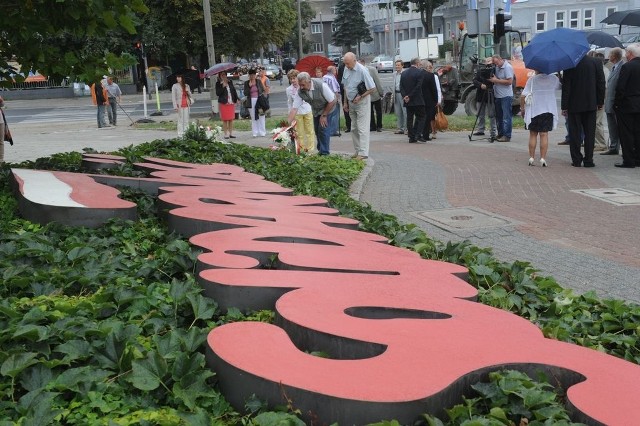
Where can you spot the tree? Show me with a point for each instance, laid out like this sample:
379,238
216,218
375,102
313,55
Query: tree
425,7
247,25
307,13
51,36
351,27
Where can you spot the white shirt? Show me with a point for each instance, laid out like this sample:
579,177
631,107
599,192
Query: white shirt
304,108
543,87
351,79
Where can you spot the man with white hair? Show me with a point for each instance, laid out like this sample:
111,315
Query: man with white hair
627,106
358,85
322,100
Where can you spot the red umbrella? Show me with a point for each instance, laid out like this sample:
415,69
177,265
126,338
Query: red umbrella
311,62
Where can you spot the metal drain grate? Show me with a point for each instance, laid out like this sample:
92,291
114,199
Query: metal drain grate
617,196
463,218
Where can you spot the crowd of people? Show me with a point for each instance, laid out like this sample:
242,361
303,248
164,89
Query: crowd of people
592,91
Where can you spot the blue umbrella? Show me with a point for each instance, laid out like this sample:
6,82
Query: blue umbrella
555,50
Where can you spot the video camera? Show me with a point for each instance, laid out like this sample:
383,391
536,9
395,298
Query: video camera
486,71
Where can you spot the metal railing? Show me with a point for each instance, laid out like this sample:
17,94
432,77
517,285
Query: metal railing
120,77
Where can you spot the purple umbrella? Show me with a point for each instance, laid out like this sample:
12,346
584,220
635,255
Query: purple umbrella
218,68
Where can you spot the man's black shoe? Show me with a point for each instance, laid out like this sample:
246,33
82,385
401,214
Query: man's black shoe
478,134
588,165
412,141
625,166
576,164
610,152
378,130
347,131
423,140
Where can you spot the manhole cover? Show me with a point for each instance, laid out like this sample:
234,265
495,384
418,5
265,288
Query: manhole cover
617,196
465,218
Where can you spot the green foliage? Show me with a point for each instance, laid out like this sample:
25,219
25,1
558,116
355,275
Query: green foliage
508,398
52,39
351,28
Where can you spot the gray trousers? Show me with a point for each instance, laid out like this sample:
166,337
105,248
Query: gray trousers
614,136
401,112
482,111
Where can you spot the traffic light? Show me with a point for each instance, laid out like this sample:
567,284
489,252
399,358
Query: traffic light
498,28
501,27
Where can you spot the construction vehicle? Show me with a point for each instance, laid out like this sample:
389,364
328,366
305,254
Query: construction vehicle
476,46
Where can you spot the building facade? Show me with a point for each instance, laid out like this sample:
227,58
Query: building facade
389,27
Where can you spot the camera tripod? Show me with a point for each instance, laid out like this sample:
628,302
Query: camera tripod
487,108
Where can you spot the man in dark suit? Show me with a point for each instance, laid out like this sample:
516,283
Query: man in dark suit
582,96
411,90
430,95
627,106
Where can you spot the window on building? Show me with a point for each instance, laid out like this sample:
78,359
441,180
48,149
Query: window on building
316,28
574,19
541,21
561,17
448,30
611,10
334,27
317,47
588,18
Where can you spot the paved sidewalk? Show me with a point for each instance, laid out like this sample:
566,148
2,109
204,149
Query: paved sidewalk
523,213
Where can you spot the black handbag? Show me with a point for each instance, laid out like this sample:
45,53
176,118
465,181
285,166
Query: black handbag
361,88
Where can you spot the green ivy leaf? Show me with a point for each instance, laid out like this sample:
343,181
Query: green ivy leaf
203,308
37,408
73,377
277,419
16,363
36,377
481,270
148,373
74,349
31,332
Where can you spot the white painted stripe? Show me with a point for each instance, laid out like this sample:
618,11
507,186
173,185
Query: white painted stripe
45,188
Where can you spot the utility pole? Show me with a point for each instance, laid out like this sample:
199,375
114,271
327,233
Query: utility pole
206,8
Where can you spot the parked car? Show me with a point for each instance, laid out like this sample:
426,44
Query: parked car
633,39
273,72
383,63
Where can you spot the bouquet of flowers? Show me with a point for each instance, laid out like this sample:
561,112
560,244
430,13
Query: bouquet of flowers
285,137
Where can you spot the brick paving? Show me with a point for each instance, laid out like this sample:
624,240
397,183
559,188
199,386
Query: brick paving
586,244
